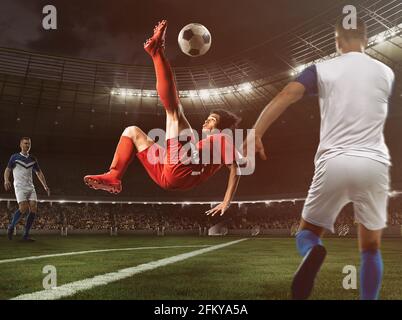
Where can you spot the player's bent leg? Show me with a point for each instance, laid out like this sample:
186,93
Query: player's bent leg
132,138
33,208
371,266
22,210
23,207
176,121
140,138
317,230
165,83
310,247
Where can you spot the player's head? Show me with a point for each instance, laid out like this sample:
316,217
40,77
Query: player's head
25,144
351,39
221,119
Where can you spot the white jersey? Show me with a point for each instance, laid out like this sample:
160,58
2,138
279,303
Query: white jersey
353,91
22,167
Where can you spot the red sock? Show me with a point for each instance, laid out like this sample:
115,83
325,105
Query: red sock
165,83
122,157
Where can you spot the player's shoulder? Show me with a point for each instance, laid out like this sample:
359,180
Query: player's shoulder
13,159
329,64
33,158
348,59
386,69
326,66
371,62
330,61
15,156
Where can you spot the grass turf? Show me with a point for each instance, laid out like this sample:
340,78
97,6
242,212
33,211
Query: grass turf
259,268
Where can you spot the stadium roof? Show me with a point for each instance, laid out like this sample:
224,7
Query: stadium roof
45,90
290,50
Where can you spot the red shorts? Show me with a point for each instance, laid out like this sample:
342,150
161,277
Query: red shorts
167,174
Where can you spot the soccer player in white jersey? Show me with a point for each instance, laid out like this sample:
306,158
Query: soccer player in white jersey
21,165
352,160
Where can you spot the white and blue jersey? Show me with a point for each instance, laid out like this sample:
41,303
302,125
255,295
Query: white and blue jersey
353,91
352,160
22,167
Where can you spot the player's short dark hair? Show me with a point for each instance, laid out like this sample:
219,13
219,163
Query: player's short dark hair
25,138
358,33
227,119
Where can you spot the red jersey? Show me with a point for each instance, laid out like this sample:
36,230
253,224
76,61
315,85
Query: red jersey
183,165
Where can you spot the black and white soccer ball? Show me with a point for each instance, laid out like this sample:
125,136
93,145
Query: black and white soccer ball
194,40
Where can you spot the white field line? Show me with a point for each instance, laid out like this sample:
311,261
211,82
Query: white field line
72,288
94,251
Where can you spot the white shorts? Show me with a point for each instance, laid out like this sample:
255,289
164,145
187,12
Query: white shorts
25,195
343,179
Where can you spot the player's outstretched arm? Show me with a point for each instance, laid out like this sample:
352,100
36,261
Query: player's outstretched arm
7,182
233,183
42,179
293,92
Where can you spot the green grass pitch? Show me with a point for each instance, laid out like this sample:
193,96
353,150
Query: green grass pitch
258,268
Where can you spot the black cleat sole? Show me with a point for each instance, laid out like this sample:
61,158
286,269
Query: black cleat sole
303,280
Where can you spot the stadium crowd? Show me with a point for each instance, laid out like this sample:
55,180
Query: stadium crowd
103,216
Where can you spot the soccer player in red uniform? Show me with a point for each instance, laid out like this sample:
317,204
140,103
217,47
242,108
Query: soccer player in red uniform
171,167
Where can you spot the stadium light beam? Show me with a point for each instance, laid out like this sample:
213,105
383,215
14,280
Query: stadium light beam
247,87
204,94
380,39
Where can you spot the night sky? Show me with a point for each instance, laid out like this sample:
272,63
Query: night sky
116,30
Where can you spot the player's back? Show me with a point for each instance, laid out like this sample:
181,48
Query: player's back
353,94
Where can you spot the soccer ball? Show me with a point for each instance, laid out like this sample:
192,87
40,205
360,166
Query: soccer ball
194,40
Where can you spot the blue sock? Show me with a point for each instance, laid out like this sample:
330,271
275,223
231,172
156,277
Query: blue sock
371,271
305,240
28,223
15,219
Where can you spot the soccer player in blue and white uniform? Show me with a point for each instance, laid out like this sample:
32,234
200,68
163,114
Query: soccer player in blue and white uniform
21,165
352,161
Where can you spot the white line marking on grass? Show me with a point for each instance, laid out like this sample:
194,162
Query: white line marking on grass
95,251
72,288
